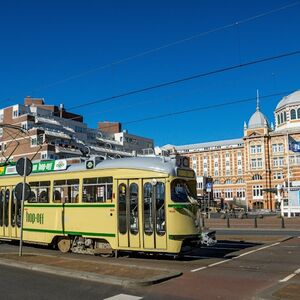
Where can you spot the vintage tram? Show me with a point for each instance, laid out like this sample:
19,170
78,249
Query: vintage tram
144,204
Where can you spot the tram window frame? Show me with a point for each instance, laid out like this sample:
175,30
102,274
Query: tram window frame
148,209
70,187
97,189
40,191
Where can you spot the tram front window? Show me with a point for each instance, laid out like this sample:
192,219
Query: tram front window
181,191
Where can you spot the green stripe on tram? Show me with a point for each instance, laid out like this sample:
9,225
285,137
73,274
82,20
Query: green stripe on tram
69,205
179,205
69,232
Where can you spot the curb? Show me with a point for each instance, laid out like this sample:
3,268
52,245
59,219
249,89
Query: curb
106,279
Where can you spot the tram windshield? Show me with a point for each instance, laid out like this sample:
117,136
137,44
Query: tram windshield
182,191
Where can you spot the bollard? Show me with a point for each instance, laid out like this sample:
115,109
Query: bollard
255,222
282,222
228,224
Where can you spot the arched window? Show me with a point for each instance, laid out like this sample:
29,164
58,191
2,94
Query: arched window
284,116
281,117
293,114
217,182
278,119
298,113
228,181
240,180
256,177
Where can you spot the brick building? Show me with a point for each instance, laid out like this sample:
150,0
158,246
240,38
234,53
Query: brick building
244,170
51,132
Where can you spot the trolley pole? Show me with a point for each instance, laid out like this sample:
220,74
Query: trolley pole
22,208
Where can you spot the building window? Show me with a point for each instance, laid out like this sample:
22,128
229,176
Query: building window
240,171
240,180
257,192
278,175
253,163
281,117
252,149
259,163
293,114
217,193
217,182
15,113
1,116
258,149
228,181
216,173
256,177
298,113
228,172
284,114
228,194
278,119
240,193
34,141
1,131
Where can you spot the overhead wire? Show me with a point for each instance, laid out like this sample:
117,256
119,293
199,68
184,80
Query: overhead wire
165,46
188,78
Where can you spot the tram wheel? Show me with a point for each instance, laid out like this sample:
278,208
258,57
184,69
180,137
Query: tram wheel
64,244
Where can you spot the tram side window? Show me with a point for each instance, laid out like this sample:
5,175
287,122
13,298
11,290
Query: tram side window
40,191
15,211
148,213
97,189
134,213
2,195
160,208
66,191
122,208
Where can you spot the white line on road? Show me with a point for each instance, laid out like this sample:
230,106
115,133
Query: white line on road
195,270
243,254
285,279
123,297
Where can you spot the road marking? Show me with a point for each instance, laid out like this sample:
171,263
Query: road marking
123,297
195,270
218,263
285,279
243,254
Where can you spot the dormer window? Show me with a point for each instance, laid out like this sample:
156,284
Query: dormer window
278,119
284,116
298,113
281,117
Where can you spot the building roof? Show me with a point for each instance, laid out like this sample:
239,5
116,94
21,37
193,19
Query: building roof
258,120
293,98
208,145
156,164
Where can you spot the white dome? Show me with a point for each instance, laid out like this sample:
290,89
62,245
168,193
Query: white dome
258,120
293,98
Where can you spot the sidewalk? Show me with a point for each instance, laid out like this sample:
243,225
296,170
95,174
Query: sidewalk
106,272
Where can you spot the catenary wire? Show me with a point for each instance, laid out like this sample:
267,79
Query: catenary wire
165,46
184,79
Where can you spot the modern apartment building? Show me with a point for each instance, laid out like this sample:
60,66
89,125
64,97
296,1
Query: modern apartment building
246,170
51,132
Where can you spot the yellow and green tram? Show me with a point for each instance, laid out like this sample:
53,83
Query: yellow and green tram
132,204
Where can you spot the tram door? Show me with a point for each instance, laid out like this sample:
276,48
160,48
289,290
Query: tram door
154,214
4,212
128,213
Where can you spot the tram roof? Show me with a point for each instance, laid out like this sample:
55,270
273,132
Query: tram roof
156,164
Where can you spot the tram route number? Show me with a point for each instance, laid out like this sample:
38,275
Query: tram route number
34,218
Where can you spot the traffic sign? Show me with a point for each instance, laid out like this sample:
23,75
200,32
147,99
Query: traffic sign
20,166
19,191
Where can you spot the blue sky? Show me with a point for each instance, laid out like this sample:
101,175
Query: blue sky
44,43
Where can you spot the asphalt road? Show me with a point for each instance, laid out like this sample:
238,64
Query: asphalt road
229,270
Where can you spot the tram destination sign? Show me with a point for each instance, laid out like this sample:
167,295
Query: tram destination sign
37,167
